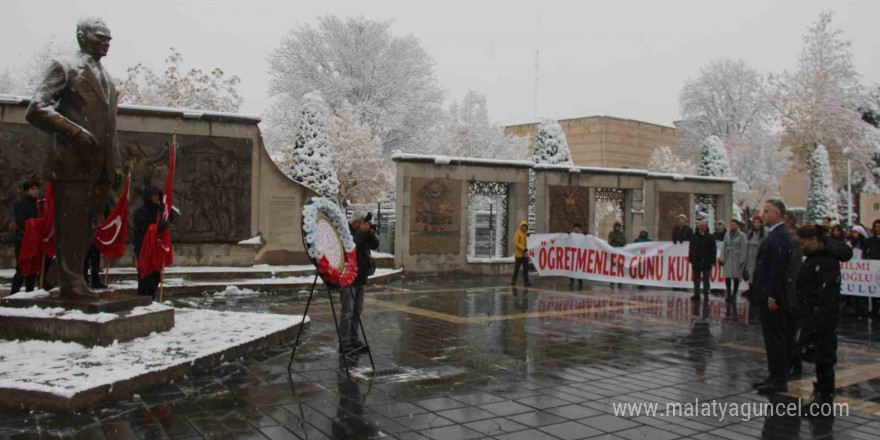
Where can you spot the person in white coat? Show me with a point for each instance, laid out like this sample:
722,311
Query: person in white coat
733,259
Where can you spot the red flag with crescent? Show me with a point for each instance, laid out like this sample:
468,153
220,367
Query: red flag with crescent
109,238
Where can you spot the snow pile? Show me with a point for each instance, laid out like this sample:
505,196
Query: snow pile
258,240
381,255
75,315
821,197
34,294
235,291
65,369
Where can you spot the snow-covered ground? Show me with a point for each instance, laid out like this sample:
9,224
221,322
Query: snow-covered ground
65,368
8,273
243,283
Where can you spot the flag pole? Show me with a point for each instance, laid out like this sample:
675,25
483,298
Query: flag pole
107,271
162,286
42,269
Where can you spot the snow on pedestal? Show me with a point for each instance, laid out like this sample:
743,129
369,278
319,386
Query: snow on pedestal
70,376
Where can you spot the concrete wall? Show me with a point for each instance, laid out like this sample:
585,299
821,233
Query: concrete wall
416,261
641,191
275,201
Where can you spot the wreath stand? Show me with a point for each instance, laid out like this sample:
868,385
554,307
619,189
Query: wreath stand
357,318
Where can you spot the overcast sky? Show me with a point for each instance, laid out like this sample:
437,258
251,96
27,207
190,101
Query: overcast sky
622,58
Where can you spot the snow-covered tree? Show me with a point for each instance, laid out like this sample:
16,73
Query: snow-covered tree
194,90
364,174
821,197
725,100
389,80
551,147
20,80
820,101
758,162
311,160
472,134
664,160
713,158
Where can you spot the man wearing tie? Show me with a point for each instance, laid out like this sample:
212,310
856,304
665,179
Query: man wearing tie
75,102
769,294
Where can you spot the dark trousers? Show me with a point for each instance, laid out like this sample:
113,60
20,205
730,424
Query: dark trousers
826,352
93,262
793,322
524,262
775,342
702,276
149,285
351,306
78,207
727,282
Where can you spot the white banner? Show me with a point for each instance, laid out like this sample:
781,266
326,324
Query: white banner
658,263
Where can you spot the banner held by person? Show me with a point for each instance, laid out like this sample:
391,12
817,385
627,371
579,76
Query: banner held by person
660,264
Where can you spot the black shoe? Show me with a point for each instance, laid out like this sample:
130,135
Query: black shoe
695,298
773,387
98,285
761,382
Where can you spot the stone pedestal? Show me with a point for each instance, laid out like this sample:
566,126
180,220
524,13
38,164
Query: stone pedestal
90,322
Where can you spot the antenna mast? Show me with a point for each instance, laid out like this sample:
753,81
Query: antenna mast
537,69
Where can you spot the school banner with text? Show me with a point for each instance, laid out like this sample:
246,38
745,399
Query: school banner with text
658,263
661,264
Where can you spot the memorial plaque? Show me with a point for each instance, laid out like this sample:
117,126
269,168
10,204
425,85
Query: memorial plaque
669,206
283,227
435,216
569,205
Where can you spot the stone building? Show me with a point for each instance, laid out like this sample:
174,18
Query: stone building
610,142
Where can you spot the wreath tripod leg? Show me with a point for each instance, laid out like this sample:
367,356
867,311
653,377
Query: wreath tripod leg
357,317
338,334
303,323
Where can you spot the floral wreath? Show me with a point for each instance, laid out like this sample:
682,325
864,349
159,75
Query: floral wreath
317,214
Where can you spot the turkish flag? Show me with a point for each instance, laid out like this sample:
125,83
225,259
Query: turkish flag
109,238
157,252
47,226
147,261
30,256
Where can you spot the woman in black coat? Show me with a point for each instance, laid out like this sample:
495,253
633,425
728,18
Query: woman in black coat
818,287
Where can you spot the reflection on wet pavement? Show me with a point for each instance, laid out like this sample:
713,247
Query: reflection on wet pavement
476,358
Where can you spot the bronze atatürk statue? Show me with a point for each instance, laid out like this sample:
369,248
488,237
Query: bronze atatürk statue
75,101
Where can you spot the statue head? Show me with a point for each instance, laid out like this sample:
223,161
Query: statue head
93,37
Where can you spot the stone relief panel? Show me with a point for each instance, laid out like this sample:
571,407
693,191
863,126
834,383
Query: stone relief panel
569,205
212,183
669,206
435,216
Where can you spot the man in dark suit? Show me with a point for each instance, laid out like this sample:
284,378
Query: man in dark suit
769,293
75,101
702,253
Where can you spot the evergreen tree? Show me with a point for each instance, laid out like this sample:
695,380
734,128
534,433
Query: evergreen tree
821,197
551,148
713,163
311,159
713,158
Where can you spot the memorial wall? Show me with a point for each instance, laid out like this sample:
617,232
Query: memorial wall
226,187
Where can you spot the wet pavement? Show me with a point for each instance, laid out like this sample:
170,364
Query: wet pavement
476,358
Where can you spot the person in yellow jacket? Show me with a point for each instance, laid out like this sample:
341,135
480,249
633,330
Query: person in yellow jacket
521,253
